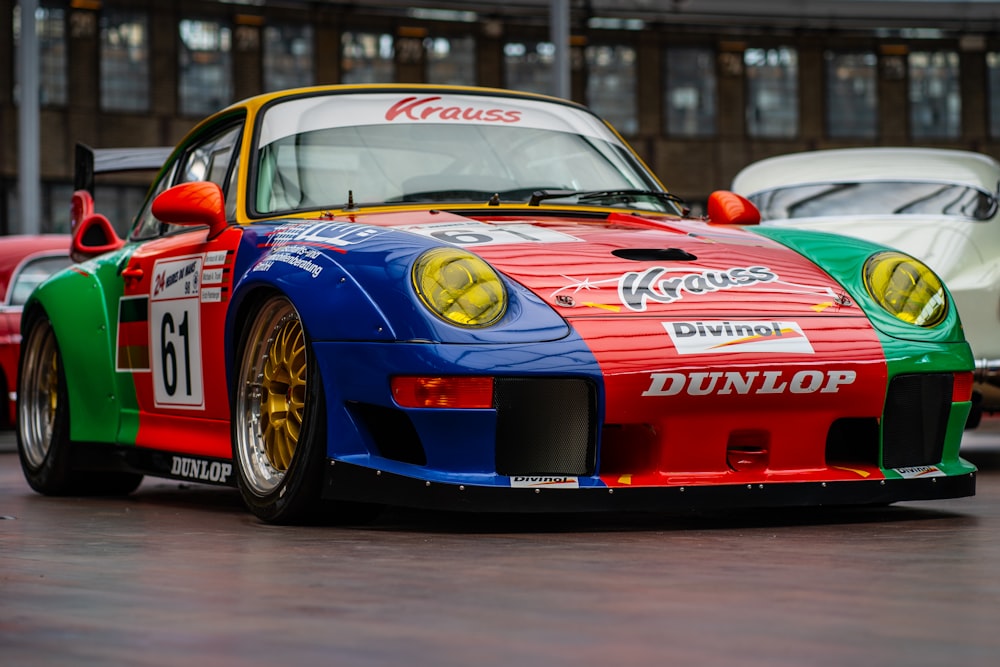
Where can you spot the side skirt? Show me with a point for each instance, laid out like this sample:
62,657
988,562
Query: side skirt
157,463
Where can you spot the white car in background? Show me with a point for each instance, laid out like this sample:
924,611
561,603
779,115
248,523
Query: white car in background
938,205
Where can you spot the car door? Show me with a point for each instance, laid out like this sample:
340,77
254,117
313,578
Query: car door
176,290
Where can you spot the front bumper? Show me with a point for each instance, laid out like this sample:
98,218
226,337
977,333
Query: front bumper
352,482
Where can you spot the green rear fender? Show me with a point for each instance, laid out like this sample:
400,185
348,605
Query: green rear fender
82,304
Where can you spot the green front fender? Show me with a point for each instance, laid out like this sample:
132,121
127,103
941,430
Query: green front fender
907,348
81,303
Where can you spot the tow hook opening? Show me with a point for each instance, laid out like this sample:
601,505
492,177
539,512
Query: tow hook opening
748,451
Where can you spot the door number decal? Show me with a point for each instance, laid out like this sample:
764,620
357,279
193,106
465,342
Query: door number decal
175,332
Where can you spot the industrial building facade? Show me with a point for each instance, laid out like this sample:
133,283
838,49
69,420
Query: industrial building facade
697,100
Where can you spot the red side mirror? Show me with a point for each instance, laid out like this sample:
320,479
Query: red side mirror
194,203
93,236
729,208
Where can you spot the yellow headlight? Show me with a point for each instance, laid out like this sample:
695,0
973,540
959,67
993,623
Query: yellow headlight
906,288
459,287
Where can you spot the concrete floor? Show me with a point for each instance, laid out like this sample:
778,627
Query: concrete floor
180,574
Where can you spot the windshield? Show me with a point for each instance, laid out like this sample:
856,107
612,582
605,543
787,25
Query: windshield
316,154
875,198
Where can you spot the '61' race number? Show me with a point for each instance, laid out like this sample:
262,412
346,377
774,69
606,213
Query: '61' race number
175,329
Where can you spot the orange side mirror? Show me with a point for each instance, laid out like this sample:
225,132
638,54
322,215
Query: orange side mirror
729,208
193,203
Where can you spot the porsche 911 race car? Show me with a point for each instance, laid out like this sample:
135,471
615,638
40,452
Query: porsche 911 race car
341,298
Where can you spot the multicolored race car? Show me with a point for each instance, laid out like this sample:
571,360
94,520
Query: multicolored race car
342,298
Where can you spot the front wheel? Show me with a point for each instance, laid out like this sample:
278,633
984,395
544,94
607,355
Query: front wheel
277,416
43,443
279,422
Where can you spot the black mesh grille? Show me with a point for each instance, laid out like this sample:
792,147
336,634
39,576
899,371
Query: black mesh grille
545,426
915,418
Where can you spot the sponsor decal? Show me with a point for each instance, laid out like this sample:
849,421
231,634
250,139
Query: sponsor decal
201,470
565,300
333,235
298,256
919,471
748,382
635,288
211,295
216,257
212,276
432,108
731,336
548,481
177,278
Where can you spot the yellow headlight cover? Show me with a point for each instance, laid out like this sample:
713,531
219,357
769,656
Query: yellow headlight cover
459,287
906,288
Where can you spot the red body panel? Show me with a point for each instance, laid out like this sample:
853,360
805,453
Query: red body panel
186,281
15,252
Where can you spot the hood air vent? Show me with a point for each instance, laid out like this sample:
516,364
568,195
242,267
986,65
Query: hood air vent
654,254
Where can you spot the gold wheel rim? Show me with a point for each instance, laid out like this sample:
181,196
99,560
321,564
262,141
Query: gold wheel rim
283,394
270,403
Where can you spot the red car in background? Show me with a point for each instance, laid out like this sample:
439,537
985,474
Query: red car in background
25,261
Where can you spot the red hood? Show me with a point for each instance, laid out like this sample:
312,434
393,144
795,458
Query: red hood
633,265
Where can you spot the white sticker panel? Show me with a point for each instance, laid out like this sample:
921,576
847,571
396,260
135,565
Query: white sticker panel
732,336
466,233
175,333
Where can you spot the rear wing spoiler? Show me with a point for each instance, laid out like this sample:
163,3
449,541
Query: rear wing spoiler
90,161
87,162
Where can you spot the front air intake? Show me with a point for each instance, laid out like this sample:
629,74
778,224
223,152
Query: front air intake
545,426
915,419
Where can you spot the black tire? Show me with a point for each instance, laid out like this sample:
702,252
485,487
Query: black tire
43,444
279,422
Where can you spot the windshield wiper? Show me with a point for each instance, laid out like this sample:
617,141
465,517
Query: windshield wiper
539,196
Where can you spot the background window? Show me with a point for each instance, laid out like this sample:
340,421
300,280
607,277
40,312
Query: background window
528,66
124,61
367,58
53,215
205,67
611,85
690,97
935,100
288,56
993,83
450,60
851,95
772,92
50,27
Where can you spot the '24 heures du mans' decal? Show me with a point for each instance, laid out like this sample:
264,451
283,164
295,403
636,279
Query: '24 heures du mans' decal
663,285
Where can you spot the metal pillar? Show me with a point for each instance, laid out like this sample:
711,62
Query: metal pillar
559,35
29,141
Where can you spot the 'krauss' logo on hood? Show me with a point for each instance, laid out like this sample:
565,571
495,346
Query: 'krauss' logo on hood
424,108
635,287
